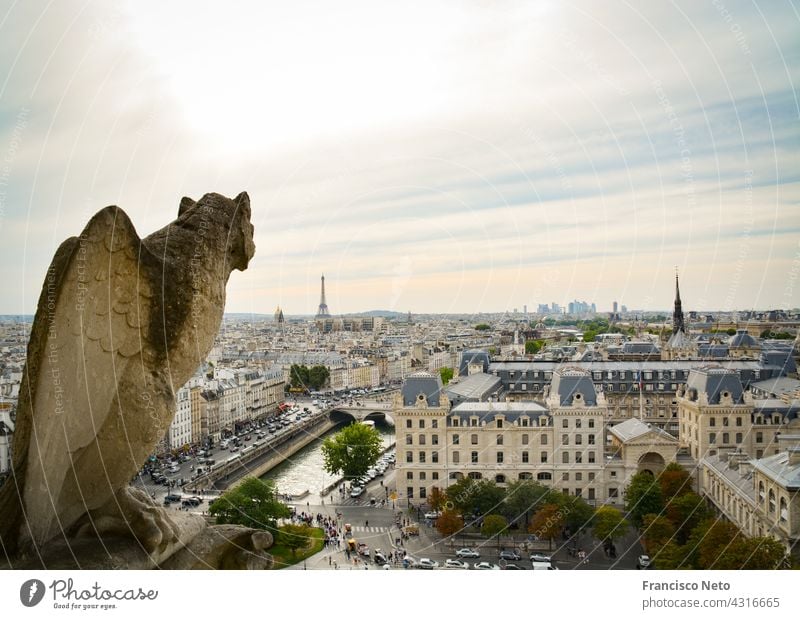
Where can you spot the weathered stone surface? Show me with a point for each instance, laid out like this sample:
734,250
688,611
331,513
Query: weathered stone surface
227,547
122,322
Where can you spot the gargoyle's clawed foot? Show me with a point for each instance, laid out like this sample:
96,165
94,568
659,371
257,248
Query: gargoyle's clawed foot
132,513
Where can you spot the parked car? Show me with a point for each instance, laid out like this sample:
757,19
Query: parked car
538,557
643,562
485,565
172,498
467,553
427,564
356,491
542,565
432,515
510,555
456,564
513,566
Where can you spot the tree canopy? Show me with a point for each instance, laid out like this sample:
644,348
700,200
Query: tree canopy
548,522
446,374
449,523
253,503
533,346
493,526
303,377
643,497
352,451
294,536
482,327
609,524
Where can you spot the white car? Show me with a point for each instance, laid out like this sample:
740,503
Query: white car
485,565
643,562
427,564
432,515
467,553
356,491
456,564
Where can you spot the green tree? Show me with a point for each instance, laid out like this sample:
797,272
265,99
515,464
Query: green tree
446,374
711,539
758,553
685,513
589,335
459,495
493,526
449,523
609,524
486,497
548,522
318,377
298,376
482,327
294,536
642,497
672,556
492,350
577,512
533,346
674,481
730,331
523,497
253,503
352,451
658,531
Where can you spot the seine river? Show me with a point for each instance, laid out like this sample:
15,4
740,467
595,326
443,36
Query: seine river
304,471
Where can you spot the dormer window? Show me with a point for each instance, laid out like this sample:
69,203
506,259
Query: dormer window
499,423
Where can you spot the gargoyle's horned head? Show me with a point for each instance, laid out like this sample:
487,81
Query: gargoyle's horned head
241,246
230,217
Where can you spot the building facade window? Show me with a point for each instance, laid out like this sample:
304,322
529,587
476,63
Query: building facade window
474,457
525,457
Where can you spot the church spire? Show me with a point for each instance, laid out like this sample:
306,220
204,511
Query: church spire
677,313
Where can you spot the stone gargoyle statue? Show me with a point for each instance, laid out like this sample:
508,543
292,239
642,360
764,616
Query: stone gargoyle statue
122,323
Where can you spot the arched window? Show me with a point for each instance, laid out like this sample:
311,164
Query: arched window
525,476
475,475
500,479
771,501
761,493
544,477
784,513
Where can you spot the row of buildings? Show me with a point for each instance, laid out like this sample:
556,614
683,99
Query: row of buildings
586,427
209,408
572,441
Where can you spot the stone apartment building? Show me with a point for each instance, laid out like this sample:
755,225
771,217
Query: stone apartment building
561,443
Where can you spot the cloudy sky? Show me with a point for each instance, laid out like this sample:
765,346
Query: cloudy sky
431,157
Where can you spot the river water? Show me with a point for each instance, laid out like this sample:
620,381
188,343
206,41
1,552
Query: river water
304,470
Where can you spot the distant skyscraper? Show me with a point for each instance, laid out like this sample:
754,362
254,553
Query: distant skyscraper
615,310
323,312
677,312
525,309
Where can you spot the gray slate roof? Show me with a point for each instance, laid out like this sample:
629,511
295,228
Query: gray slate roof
742,339
567,382
473,356
777,467
421,382
715,380
487,411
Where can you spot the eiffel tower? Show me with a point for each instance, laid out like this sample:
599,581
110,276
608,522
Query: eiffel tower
323,312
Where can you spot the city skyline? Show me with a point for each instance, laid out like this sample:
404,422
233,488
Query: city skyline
477,160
